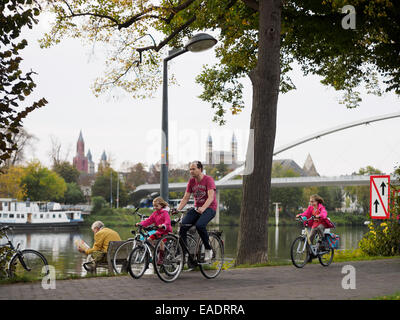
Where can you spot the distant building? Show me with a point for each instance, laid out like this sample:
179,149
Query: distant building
214,157
103,161
91,169
80,161
308,169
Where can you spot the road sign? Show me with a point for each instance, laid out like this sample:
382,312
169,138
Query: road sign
379,197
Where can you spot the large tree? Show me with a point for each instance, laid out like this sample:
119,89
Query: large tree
15,85
107,184
257,39
42,184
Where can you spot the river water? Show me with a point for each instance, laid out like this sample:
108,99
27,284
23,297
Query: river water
60,250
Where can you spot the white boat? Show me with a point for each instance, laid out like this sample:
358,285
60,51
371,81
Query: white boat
37,215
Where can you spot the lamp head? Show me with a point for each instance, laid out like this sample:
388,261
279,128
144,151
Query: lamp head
200,42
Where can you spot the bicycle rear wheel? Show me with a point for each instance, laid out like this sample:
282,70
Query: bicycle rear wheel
138,261
28,263
211,269
168,258
299,252
120,260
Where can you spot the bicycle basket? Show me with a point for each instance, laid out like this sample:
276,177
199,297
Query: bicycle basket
333,240
149,233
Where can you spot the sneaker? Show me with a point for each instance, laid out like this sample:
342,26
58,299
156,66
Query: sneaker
89,267
208,255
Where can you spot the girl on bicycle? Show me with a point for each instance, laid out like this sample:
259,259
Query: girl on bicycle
318,211
162,220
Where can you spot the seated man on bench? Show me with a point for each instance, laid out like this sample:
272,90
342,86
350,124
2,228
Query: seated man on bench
98,253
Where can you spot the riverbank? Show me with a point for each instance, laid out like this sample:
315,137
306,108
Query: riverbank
116,217
124,217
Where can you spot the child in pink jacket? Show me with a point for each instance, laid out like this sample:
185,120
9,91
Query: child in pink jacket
320,214
162,220
159,218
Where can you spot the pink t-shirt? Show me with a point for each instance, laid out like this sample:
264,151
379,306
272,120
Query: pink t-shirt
200,189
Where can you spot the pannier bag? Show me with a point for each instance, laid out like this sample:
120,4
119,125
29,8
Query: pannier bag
333,240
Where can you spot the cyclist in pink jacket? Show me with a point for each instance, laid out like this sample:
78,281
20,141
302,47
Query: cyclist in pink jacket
159,218
320,214
162,220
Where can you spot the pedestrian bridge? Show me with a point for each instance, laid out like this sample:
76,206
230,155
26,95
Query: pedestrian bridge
340,181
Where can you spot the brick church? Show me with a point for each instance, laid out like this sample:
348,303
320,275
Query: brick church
81,162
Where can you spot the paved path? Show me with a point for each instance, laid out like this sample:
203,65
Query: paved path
373,278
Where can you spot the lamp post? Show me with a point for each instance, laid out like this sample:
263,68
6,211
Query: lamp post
199,42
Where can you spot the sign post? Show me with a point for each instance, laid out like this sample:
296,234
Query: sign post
379,197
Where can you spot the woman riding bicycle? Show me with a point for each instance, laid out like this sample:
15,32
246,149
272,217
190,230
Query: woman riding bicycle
318,211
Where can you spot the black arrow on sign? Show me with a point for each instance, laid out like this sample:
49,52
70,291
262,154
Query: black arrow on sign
383,186
376,204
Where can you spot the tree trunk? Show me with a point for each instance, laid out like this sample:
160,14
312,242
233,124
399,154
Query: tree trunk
265,78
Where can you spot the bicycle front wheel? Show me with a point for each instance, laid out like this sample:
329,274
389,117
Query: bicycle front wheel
326,257
120,260
211,269
168,258
138,261
299,252
29,264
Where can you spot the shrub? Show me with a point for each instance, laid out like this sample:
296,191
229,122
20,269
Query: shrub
383,238
98,203
5,256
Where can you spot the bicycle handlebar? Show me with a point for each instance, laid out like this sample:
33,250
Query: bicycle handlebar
301,220
174,211
142,216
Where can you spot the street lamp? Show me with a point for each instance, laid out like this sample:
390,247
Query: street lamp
199,42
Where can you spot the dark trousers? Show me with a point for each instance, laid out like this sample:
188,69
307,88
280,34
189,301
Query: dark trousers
200,221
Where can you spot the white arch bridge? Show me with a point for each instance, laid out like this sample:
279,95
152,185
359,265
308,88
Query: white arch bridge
227,182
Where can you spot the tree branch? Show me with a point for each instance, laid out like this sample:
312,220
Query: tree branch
169,38
176,9
252,4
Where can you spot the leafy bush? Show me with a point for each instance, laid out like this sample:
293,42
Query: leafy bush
5,257
98,203
383,238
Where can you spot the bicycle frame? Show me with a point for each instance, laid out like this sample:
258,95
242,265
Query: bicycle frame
305,232
192,257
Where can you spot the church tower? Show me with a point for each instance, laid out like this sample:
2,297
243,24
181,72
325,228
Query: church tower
234,149
80,162
209,152
103,161
90,162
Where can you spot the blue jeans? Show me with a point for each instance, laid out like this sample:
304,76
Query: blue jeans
200,221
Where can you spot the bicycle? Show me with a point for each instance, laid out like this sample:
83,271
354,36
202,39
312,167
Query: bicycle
177,252
121,255
142,254
303,251
22,262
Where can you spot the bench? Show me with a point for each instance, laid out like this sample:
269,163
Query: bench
121,258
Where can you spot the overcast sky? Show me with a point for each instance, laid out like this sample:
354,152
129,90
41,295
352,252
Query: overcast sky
129,129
